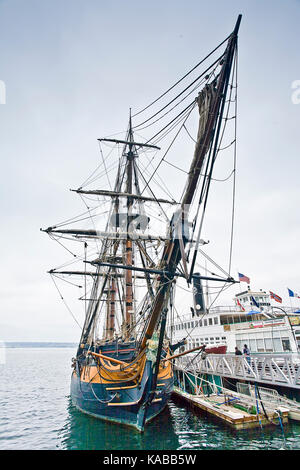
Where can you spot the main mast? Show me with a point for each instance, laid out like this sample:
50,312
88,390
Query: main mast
125,224
129,307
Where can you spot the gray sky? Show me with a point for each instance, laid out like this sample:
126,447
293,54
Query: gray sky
73,68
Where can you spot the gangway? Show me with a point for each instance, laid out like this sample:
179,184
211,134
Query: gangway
274,368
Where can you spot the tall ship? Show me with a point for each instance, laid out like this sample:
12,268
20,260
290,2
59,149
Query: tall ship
137,241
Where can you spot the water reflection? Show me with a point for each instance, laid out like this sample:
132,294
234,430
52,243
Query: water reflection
177,427
84,432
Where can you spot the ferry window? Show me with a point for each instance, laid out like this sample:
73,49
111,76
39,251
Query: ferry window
286,344
260,345
196,324
205,322
277,345
215,320
206,339
268,344
210,321
189,325
224,337
200,323
252,345
192,324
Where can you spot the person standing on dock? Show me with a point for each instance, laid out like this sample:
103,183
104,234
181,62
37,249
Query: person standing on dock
238,352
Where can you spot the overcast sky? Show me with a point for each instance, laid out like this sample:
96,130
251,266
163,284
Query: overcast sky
73,68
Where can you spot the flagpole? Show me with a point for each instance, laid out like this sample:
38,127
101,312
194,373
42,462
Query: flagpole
290,299
239,280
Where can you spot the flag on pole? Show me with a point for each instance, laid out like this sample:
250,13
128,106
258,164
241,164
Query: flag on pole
275,297
240,305
254,301
244,278
293,294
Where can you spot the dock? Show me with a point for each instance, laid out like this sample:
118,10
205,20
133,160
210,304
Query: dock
225,410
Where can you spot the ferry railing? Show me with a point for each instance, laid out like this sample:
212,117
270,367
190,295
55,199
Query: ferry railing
277,369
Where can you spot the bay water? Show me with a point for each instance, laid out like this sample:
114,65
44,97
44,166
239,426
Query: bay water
36,413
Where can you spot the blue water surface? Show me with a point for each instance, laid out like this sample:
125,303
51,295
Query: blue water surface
37,414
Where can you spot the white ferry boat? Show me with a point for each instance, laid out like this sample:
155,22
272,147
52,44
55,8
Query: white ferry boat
253,320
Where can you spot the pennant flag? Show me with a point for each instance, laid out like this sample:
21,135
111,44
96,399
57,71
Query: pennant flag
244,278
239,304
254,301
275,297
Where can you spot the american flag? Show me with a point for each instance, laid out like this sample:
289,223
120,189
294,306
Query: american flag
275,297
244,278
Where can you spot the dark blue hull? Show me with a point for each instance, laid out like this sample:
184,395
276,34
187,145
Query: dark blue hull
121,404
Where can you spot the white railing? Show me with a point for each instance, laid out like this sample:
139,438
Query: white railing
276,369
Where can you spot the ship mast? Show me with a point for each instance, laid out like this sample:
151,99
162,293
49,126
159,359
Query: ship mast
129,308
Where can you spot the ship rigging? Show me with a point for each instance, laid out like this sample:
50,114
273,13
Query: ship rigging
142,242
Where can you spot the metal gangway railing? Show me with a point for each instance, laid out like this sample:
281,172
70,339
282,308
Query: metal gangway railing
274,368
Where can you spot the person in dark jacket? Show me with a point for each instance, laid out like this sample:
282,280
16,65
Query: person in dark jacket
238,352
246,352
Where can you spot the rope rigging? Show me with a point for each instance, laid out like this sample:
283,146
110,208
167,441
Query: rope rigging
146,170
182,78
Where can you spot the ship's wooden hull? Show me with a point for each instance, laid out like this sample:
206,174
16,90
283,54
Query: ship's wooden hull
119,402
